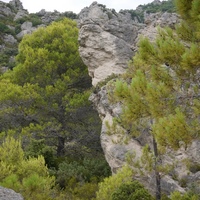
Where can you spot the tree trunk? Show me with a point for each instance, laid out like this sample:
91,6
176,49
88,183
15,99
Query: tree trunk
157,174
61,146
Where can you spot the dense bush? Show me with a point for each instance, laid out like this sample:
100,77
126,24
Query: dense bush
131,191
5,29
110,184
30,176
70,15
165,6
5,56
31,18
85,171
187,196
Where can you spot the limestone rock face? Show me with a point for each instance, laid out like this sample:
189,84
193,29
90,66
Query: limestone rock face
9,39
5,10
26,28
115,149
17,4
161,19
106,38
107,42
152,22
48,17
8,194
21,12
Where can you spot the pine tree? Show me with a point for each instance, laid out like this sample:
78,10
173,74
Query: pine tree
160,92
30,176
47,92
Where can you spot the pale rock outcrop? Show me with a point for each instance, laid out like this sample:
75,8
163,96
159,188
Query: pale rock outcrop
5,11
161,19
17,4
107,42
21,12
26,28
48,17
116,147
14,9
152,22
106,38
8,194
9,39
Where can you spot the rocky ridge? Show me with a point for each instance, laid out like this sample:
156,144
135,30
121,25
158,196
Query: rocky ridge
108,40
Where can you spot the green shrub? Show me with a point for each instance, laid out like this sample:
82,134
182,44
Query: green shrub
38,147
35,19
18,28
131,191
5,29
30,176
85,191
188,196
110,184
82,171
70,15
31,18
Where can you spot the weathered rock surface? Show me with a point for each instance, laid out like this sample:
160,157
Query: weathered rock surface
106,38
5,10
26,28
107,42
48,17
13,9
17,4
8,194
152,22
21,12
9,39
115,149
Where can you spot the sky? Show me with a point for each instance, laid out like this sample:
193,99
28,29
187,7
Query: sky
34,6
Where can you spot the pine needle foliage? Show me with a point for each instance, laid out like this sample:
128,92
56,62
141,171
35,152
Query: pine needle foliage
160,92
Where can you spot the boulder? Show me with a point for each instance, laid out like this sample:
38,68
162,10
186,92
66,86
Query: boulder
26,28
9,39
5,11
8,194
20,14
17,4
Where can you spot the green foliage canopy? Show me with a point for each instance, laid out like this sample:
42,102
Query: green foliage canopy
164,88
49,88
131,191
30,176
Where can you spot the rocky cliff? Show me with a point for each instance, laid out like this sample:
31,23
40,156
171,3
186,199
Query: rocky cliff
108,40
